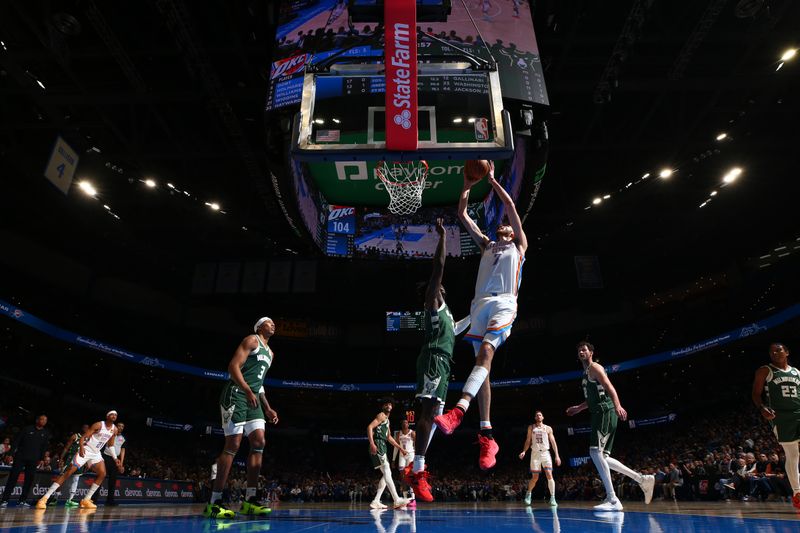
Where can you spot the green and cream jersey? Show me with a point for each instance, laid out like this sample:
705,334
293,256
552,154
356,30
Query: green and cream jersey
256,365
595,394
783,388
440,333
379,435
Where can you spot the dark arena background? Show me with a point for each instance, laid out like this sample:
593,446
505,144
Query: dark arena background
173,171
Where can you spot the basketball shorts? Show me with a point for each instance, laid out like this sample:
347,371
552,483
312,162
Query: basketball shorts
540,460
433,374
603,428
378,459
70,460
490,320
237,415
786,426
90,458
404,460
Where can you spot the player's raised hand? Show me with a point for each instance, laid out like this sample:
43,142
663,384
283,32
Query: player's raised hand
440,226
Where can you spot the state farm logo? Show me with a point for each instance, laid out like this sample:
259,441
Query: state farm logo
288,66
403,119
399,84
338,212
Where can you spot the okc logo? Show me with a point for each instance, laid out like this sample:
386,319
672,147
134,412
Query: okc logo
403,119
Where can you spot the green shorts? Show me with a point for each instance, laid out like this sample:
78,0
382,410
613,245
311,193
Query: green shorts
433,374
236,413
377,459
786,426
604,426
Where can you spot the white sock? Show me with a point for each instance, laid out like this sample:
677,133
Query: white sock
551,486
91,492
51,490
73,486
216,496
605,472
439,411
475,380
387,476
381,488
250,492
616,466
419,463
792,459
486,424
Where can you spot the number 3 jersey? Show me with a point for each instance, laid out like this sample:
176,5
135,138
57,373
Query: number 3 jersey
253,370
783,389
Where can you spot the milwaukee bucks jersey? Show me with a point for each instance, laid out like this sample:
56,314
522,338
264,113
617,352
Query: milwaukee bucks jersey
73,448
379,435
440,335
783,389
256,365
595,394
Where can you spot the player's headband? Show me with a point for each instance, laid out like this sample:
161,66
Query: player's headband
111,412
260,321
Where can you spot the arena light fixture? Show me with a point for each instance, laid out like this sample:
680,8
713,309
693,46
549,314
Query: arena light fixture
213,205
471,120
789,54
458,120
150,183
732,174
645,175
171,186
665,173
722,136
713,193
597,201
88,188
606,197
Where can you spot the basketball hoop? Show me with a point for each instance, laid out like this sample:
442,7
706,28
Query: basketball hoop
404,181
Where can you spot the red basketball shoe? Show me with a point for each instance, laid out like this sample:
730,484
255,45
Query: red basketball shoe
488,450
421,487
449,421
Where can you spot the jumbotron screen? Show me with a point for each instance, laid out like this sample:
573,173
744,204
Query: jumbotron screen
405,321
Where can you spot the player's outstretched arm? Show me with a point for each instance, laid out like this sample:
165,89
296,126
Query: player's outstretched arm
575,409
394,443
600,375
394,452
470,225
527,444
758,392
433,296
511,212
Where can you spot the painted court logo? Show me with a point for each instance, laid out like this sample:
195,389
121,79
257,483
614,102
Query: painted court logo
403,119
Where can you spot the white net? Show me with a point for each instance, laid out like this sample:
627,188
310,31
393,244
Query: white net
404,181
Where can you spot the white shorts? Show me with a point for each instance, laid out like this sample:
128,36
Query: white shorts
541,460
90,458
404,460
490,320
243,427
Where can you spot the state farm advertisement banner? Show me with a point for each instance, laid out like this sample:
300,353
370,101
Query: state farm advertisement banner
128,489
400,19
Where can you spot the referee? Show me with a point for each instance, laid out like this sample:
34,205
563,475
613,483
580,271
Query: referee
111,465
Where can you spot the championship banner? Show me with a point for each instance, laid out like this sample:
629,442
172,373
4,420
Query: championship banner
400,23
753,328
128,489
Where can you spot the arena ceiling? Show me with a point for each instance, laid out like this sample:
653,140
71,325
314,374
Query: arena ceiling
173,91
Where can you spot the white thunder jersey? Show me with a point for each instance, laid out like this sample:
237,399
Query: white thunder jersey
99,439
499,271
540,441
406,442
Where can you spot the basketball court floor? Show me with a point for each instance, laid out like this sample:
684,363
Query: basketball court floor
660,517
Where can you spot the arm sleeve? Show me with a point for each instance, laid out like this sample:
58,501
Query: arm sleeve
462,325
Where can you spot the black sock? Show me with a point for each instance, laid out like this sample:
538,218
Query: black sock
464,411
487,432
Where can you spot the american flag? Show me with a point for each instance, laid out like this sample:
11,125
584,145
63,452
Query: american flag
327,136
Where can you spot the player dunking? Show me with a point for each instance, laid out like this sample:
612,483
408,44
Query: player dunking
540,439
605,408
379,435
781,383
98,435
241,408
433,364
493,310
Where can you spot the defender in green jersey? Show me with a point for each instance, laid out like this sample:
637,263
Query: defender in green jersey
779,384
242,414
379,436
433,365
603,403
67,457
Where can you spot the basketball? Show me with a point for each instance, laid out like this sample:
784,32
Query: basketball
476,169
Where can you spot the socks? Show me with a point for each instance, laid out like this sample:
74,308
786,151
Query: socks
419,463
91,492
249,492
792,459
616,466
600,463
486,429
551,486
216,496
463,405
73,487
475,380
51,490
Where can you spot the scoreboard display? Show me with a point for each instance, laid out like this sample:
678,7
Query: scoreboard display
405,321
